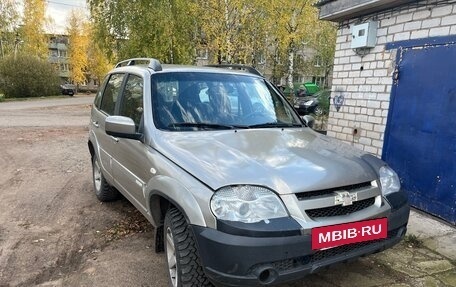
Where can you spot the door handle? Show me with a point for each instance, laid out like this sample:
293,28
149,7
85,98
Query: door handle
114,139
95,124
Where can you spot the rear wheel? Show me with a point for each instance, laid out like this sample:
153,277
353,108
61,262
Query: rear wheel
184,266
103,190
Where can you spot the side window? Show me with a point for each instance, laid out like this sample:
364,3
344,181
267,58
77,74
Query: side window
111,93
132,100
97,101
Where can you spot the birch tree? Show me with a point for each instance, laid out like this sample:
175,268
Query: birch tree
34,38
325,45
8,24
293,23
78,45
163,29
233,30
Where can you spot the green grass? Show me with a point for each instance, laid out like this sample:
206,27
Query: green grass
413,241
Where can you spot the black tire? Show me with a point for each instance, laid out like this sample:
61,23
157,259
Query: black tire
103,190
187,270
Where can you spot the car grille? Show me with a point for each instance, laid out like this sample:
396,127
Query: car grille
338,210
320,255
331,191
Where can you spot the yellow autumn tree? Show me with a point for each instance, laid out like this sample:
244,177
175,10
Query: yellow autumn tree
293,24
78,45
325,47
34,39
162,29
232,30
99,63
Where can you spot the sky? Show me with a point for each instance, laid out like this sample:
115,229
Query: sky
59,11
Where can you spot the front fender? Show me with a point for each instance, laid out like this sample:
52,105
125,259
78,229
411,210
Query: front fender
176,194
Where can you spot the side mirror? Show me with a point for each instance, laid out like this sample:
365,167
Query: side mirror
122,127
309,121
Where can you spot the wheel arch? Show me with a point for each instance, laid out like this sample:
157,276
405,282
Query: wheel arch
91,148
167,192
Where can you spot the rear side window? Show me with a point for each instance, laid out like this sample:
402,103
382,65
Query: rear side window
111,93
132,100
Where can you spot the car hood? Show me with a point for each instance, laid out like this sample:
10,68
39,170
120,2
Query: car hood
285,160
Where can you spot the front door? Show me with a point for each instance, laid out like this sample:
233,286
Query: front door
130,165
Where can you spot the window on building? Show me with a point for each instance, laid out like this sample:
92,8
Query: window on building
320,81
63,53
202,53
64,67
277,59
261,59
318,61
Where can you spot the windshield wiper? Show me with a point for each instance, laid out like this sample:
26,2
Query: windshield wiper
274,125
205,126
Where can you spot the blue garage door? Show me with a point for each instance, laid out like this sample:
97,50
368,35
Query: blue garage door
420,138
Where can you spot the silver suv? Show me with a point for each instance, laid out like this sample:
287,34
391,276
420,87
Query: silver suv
240,191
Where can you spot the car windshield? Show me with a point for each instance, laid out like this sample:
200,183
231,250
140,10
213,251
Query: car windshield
208,101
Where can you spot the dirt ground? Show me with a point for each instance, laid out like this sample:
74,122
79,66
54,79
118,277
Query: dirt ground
54,232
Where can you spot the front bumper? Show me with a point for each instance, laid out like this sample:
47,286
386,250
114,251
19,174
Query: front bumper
235,260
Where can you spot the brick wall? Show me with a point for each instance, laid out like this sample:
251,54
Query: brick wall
366,81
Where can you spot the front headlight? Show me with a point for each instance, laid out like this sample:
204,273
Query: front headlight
389,180
246,203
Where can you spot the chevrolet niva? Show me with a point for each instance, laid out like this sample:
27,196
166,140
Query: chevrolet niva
240,190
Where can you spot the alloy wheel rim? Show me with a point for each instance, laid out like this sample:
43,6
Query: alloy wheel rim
171,257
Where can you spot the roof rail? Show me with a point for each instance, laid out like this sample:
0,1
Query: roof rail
249,69
154,64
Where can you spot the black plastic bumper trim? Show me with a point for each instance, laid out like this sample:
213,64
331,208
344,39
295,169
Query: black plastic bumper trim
397,199
277,227
233,260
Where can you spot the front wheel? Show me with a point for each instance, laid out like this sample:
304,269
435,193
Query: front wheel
184,266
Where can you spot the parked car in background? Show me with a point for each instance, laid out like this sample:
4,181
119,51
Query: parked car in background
300,89
317,104
68,89
240,190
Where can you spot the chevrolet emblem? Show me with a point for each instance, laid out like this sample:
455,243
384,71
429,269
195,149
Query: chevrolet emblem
345,198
